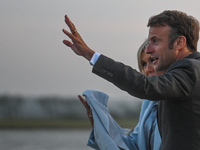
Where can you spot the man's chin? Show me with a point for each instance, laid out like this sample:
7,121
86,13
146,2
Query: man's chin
157,68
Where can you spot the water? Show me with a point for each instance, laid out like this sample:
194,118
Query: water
44,139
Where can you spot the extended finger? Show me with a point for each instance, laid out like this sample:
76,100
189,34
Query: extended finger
86,105
81,99
68,43
71,36
84,102
75,38
70,24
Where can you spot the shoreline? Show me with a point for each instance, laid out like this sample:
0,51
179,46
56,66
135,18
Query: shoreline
56,123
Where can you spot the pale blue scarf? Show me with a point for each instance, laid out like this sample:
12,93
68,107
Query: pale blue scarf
108,135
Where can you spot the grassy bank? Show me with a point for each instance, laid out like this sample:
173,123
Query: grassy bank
67,123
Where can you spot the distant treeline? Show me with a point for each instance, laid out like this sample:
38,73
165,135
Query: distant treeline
55,107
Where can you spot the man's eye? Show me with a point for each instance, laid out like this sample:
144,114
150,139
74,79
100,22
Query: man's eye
155,41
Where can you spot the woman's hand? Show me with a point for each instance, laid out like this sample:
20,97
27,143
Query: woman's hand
77,44
88,110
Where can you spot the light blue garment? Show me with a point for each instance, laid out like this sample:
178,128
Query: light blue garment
108,135
146,134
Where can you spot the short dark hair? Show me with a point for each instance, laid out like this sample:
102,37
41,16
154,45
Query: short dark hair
181,25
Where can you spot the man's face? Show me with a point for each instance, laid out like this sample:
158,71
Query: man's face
158,47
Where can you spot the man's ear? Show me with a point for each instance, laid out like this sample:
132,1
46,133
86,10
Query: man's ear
180,42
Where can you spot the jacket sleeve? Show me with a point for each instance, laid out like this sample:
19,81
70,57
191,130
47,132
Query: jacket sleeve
176,84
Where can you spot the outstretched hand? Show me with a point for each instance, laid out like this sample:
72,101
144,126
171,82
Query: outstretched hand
76,44
88,110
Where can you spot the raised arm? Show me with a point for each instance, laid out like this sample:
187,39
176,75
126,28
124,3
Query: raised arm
76,44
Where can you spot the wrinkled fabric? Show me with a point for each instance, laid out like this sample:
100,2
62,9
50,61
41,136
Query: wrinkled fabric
146,134
108,135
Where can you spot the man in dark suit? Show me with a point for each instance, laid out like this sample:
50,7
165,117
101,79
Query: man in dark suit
173,37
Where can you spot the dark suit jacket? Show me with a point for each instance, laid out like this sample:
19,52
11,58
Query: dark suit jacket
178,93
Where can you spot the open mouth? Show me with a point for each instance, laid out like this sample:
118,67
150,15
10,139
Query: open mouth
154,59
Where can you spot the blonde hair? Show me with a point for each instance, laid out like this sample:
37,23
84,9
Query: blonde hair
139,55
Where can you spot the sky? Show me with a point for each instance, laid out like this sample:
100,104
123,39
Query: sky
34,61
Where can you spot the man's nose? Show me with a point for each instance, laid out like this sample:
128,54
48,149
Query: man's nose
149,49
